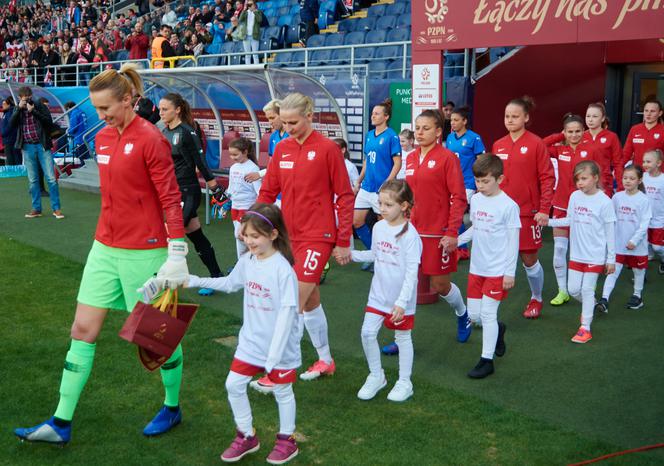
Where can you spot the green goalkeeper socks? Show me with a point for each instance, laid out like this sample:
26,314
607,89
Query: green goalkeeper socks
171,377
78,365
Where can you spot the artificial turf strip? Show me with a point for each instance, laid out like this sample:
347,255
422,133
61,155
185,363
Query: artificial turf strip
439,426
608,389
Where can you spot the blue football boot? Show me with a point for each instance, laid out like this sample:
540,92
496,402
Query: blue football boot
464,327
47,432
391,349
164,421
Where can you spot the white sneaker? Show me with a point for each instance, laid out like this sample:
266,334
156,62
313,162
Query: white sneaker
371,386
401,391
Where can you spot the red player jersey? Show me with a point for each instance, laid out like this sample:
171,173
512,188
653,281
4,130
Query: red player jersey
308,176
529,177
138,187
439,192
609,156
640,140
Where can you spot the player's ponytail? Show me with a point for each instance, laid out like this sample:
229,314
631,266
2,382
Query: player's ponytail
120,83
185,110
245,145
265,218
400,192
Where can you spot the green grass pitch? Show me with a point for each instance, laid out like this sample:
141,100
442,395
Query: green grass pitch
550,401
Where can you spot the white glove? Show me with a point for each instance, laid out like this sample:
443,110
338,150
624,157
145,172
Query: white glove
174,272
151,288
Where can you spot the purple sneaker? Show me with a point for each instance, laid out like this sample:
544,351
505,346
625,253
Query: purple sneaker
240,447
284,450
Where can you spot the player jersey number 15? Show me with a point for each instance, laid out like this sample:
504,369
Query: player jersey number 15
311,261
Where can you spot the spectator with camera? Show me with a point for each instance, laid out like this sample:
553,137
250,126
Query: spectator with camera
33,122
137,43
251,19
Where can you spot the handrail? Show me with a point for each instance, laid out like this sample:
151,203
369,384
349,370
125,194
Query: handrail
172,60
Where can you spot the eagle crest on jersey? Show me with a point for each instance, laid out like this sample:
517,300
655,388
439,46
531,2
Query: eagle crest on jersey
436,10
128,148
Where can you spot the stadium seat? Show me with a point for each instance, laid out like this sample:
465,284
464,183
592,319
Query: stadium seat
390,52
398,35
282,3
294,2
320,58
340,56
284,20
366,24
295,19
265,5
270,12
403,21
364,54
375,37
395,9
376,10
272,20
395,69
292,34
274,34
285,11
295,9
238,59
377,69
226,47
386,22
354,38
317,40
332,40
347,25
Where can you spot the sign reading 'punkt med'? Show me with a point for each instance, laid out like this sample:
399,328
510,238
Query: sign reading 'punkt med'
457,24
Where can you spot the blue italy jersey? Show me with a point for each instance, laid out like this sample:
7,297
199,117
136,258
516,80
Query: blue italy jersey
275,138
467,148
378,153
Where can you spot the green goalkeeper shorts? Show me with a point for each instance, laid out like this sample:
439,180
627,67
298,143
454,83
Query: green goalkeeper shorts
112,275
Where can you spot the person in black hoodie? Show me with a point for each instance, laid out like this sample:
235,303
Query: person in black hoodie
13,156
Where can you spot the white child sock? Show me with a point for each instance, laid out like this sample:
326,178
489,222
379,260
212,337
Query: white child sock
535,274
316,325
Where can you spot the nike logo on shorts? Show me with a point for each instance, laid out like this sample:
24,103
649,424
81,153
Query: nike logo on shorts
281,375
103,147
494,292
308,273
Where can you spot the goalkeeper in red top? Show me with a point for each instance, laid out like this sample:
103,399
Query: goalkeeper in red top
529,181
309,171
132,243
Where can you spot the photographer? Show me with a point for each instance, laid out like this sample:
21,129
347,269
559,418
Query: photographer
251,19
33,122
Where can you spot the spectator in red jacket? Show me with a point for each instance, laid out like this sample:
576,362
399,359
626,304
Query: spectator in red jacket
137,43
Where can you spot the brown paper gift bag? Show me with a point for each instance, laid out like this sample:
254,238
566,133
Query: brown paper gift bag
158,328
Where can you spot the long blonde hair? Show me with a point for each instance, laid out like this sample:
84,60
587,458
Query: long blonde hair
120,83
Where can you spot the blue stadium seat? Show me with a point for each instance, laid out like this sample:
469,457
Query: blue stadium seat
364,54
390,52
270,13
292,34
398,35
295,9
403,21
282,3
273,20
320,58
395,9
347,25
375,37
265,5
376,10
334,39
386,22
395,70
294,2
354,38
211,49
295,19
377,69
283,11
237,59
284,20
340,56
122,55
283,59
317,40
366,24
226,47
274,34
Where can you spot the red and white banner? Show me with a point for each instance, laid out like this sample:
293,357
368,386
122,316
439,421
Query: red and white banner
458,24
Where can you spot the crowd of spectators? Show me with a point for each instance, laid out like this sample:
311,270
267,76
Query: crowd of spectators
86,33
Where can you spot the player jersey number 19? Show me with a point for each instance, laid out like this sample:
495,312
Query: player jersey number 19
372,156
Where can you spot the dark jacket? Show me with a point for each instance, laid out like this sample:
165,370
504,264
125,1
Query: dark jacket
309,10
43,121
8,132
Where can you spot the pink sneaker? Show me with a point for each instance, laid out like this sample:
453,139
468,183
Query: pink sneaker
582,336
284,450
263,385
319,368
240,447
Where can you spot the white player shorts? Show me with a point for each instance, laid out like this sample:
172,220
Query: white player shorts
367,200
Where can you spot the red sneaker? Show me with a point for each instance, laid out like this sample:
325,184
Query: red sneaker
319,368
240,447
284,450
533,309
263,385
582,336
